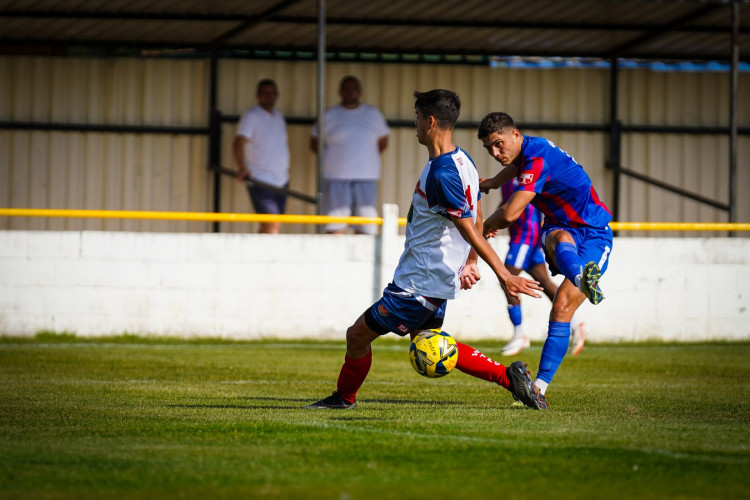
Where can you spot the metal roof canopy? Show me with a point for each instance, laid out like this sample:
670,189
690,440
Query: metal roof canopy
641,29
698,30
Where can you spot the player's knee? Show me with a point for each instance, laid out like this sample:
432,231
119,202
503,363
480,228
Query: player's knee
351,335
561,236
562,309
356,335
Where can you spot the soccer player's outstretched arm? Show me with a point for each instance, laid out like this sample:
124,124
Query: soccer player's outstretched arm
509,211
470,273
472,233
506,174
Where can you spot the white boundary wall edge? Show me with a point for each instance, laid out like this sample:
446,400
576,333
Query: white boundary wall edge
250,286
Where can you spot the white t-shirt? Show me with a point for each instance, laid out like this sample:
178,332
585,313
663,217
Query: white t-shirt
435,252
351,142
267,151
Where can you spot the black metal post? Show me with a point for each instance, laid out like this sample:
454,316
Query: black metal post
734,82
615,138
321,102
214,138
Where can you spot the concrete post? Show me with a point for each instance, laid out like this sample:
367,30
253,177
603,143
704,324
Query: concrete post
389,250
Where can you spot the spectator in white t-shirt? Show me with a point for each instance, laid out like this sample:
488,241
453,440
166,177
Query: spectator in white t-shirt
355,135
261,152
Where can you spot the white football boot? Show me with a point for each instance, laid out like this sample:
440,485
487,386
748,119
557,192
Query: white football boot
578,333
515,345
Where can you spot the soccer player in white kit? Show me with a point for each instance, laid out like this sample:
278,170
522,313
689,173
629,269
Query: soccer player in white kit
443,241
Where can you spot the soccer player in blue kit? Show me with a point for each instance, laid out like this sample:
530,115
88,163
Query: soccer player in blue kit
525,253
444,223
576,234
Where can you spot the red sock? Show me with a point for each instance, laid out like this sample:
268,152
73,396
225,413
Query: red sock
352,376
476,364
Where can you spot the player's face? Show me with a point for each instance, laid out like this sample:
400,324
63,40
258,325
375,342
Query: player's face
267,96
423,126
504,146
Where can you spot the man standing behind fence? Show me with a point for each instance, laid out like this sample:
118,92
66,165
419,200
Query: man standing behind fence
261,152
355,135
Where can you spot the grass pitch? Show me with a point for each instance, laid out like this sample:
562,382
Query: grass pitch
136,418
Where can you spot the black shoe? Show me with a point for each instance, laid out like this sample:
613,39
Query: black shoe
523,388
332,402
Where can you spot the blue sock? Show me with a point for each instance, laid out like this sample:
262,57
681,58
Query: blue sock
554,350
515,314
568,262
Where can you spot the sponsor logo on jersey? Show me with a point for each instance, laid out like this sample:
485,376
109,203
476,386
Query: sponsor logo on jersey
525,179
460,161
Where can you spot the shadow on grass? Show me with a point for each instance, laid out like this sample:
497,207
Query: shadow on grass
261,398
291,404
220,407
363,401
349,417
298,403
412,402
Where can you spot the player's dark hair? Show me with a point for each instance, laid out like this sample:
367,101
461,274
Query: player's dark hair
264,82
444,105
495,122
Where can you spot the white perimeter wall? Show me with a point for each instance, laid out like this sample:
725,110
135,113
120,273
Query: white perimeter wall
293,286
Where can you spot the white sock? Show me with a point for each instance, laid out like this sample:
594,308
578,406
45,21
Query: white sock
517,331
541,384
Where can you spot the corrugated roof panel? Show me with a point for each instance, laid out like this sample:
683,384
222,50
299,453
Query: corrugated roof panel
109,30
541,27
140,6
282,36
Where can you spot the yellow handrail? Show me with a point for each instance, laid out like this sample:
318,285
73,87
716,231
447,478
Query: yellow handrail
189,216
679,226
323,219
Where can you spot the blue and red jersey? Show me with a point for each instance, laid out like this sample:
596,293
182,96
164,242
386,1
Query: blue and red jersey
526,230
565,194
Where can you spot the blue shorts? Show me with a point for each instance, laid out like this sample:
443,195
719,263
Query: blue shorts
267,202
593,244
522,256
402,312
